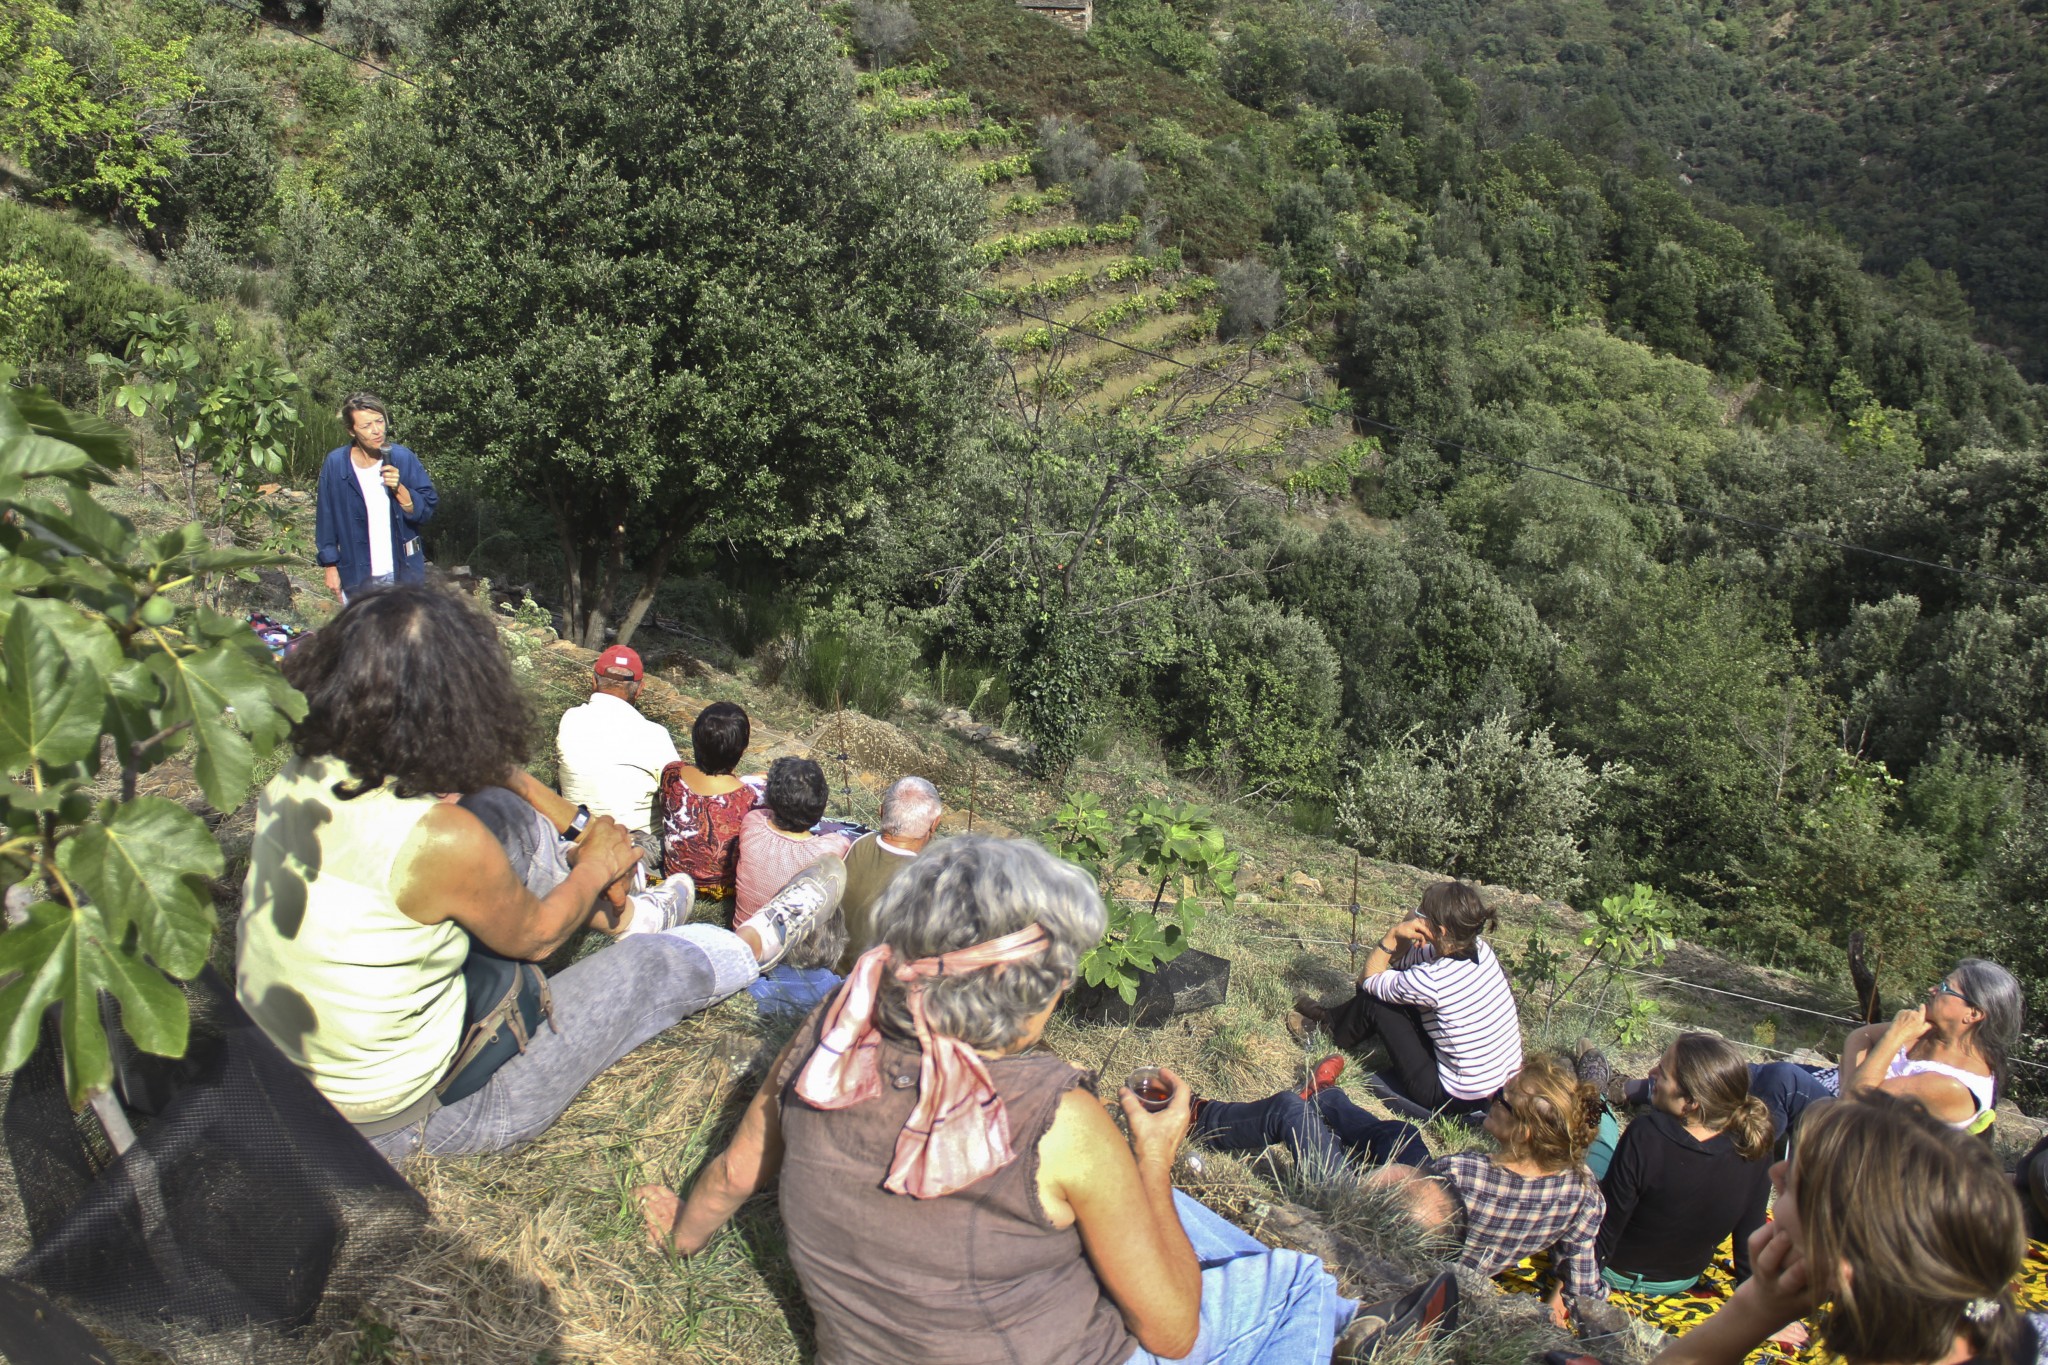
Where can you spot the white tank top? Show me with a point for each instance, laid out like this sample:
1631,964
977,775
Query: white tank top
1980,1087
365,1000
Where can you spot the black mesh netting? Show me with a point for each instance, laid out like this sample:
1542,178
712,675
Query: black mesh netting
246,1211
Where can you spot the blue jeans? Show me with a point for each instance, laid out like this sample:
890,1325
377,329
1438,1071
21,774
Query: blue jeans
1320,1132
605,1005
793,990
1259,1306
1787,1088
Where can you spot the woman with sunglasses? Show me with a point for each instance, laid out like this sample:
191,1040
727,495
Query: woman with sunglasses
1949,1054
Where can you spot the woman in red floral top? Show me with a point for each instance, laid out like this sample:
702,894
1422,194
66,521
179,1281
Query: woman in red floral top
702,806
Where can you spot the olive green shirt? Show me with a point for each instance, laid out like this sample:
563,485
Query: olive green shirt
870,866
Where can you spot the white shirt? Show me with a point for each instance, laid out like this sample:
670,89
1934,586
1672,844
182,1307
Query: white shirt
611,758
1469,1011
377,502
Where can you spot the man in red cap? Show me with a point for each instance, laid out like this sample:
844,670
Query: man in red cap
610,755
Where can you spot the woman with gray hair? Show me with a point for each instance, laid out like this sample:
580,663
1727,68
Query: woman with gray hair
895,1120
1948,1053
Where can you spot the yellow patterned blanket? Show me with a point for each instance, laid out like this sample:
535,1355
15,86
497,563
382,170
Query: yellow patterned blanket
1678,1312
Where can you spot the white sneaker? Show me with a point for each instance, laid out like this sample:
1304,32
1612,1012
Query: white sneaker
807,897
660,907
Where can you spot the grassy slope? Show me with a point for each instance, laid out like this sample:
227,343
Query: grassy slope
538,1255
1138,304
1024,67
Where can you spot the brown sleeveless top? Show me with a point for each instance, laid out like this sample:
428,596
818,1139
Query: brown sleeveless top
975,1278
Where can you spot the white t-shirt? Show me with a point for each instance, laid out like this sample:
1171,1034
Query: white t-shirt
1469,1011
611,758
377,502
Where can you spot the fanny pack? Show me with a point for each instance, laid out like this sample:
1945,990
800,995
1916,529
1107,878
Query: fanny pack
507,1001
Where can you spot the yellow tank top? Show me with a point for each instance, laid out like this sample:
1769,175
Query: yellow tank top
365,1000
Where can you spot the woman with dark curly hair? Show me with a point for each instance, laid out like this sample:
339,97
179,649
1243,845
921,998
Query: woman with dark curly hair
402,839
776,838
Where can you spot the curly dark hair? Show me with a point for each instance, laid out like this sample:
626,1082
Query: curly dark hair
719,737
796,793
409,685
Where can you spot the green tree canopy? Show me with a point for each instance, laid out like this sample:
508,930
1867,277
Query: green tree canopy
650,266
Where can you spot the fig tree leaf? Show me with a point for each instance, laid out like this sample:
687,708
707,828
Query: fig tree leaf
50,704
147,865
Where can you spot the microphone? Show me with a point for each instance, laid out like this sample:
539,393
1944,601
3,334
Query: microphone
384,458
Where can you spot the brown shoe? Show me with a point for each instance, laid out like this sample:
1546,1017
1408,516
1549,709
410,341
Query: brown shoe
1298,1027
1311,1009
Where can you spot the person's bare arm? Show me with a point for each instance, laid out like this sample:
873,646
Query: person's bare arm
451,867
1945,1097
1857,1047
749,1163
1776,1294
1393,943
1121,1196
556,808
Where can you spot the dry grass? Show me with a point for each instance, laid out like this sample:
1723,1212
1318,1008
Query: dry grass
540,1254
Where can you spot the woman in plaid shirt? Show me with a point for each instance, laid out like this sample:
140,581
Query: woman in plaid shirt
1533,1194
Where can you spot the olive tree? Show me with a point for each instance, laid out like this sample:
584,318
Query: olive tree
649,266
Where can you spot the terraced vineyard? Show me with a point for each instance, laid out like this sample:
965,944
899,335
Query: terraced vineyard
1095,321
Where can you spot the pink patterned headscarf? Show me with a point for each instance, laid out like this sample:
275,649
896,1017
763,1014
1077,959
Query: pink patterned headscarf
958,1132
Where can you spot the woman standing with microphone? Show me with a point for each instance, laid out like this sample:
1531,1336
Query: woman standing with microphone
372,499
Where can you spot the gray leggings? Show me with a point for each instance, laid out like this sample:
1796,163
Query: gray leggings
606,1005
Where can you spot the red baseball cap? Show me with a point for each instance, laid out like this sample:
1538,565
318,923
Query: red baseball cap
620,662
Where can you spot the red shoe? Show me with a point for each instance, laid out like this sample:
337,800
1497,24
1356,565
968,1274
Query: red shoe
1324,1076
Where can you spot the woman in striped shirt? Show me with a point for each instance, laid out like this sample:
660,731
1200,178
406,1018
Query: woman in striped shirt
1434,994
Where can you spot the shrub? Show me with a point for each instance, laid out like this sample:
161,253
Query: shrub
106,671
854,658
1491,803
228,180
1064,153
1258,696
1172,847
199,267
882,30
1249,294
1112,190
91,312
28,309
377,25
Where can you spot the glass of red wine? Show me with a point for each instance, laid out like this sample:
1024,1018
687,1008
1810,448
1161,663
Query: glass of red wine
1153,1090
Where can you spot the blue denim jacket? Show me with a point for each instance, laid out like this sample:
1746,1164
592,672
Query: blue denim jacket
341,525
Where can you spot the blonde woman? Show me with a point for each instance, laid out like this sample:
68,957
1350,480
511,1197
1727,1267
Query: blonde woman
1694,1169
1533,1194
1903,1225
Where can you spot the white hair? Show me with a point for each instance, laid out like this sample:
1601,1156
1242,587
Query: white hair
911,808
968,890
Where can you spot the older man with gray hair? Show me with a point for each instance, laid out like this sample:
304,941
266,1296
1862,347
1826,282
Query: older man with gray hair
910,816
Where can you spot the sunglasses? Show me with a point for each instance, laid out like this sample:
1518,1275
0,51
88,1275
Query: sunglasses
1943,988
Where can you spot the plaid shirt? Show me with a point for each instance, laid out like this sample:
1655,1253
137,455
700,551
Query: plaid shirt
1509,1216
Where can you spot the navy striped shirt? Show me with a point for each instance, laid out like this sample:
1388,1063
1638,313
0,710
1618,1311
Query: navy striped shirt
1469,1011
